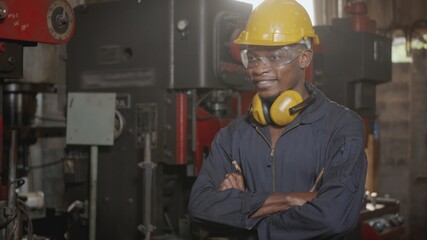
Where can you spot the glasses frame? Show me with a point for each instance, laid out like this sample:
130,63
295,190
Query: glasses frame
290,51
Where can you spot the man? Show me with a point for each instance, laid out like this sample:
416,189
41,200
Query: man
294,167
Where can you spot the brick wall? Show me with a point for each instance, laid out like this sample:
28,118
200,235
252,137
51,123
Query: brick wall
402,118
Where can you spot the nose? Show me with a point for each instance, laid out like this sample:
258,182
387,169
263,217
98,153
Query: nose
260,68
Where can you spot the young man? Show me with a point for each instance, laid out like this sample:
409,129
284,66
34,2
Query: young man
295,166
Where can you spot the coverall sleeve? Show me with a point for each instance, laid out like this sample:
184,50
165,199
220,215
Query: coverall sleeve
336,209
230,207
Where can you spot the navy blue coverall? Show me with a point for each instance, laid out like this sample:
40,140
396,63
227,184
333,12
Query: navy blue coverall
325,136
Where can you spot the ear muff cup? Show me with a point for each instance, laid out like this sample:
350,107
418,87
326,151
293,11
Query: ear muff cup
260,111
279,113
280,110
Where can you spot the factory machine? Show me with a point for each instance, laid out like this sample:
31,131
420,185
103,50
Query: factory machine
351,60
24,24
177,79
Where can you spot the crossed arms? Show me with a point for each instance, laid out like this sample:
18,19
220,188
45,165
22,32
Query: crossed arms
276,202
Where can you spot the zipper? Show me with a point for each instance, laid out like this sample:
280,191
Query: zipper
271,157
287,130
262,135
272,152
273,167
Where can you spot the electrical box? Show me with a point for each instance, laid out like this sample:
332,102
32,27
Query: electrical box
90,118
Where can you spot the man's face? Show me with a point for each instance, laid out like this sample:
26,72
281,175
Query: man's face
276,69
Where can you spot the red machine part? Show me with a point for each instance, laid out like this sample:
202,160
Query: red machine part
368,233
3,189
359,20
208,125
1,143
181,128
48,21
234,48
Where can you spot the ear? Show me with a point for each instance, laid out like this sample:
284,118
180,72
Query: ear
305,59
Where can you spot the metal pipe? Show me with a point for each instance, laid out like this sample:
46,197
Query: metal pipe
194,105
181,128
12,228
340,8
172,43
325,12
12,171
147,166
93,190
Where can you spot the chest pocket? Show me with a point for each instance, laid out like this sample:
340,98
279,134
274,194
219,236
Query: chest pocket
345,164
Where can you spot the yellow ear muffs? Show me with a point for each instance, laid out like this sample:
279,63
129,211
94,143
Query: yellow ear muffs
280,112
260,111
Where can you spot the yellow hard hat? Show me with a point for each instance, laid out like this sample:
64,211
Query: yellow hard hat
277,23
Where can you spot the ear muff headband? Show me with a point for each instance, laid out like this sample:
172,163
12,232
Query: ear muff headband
304,104
266,111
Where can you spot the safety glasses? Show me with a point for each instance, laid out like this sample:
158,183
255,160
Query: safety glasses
273,58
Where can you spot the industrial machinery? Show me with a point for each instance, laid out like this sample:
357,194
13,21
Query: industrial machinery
351,60
177,79
23,23
348,64
381,219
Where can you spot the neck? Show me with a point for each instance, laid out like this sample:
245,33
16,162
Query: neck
303,90
275,132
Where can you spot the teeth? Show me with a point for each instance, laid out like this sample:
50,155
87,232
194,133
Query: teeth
264,82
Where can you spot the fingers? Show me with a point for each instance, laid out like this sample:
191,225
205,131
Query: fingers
232,180
299,199
228,182
240,181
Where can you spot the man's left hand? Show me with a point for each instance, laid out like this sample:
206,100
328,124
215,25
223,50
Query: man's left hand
233,180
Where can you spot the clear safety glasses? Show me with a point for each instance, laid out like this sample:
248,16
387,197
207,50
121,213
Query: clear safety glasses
274,58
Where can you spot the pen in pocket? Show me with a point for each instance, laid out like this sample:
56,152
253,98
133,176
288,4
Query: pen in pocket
236,166
317,180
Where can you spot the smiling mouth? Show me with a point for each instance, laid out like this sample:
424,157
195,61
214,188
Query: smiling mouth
264,83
